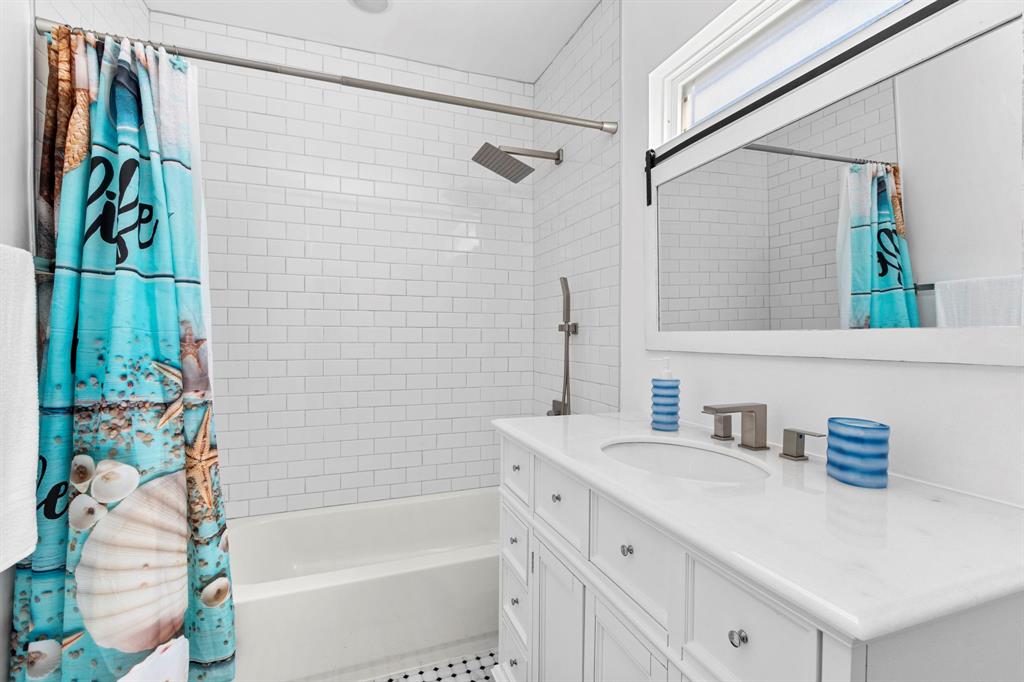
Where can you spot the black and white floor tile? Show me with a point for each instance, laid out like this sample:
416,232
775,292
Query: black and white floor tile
473,668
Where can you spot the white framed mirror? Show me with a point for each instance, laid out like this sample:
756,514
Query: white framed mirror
874,212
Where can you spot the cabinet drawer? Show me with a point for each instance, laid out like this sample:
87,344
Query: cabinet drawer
515,600
515,469
739,635
514,659
635,556
515,540
563,503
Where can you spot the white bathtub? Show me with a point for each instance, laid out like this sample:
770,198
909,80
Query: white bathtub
347,593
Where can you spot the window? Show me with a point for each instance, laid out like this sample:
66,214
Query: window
751,45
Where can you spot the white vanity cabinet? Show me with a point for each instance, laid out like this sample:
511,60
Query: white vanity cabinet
593,591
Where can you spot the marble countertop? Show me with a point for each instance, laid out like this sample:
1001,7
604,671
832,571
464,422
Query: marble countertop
863,562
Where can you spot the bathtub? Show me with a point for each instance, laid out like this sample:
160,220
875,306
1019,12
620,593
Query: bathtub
352,592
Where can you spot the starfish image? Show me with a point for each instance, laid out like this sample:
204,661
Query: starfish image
189,344
177,405
200,457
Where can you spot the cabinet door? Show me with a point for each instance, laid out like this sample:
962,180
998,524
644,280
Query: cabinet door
558,620
619,655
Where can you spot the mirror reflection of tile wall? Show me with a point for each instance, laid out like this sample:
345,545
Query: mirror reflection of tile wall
752,232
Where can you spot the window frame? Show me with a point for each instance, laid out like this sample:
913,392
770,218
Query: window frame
673,83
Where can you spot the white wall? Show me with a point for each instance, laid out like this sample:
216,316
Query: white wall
963,198
576,218
958,426
15,121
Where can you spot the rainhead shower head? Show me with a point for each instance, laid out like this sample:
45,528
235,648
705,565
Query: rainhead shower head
500,160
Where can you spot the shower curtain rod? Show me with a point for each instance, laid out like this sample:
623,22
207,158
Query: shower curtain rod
811,155
611,127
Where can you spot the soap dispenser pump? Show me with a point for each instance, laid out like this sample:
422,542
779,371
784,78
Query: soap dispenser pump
665,400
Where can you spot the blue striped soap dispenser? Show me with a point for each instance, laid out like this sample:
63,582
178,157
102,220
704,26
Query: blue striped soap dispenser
665,400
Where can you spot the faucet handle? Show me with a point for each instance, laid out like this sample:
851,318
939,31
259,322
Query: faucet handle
723,427
793,443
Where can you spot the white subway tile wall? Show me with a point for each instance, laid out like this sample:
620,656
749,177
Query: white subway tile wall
577,218
372,287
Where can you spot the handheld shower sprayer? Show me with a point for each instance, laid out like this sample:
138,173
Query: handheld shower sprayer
562,407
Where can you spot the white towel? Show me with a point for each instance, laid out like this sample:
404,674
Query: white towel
19,406
980,302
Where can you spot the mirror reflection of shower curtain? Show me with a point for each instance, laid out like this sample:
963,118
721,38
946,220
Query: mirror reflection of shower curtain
875,279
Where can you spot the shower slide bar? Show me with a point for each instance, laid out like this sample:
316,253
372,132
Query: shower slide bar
611,127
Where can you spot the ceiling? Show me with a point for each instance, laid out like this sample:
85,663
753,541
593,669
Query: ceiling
514,39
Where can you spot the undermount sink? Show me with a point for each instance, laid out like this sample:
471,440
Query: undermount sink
684,461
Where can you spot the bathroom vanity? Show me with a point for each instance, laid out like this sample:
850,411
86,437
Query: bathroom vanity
629,556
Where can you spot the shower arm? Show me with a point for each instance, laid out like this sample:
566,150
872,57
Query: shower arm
557,156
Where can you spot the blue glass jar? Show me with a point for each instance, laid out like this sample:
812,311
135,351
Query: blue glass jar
858,452
665,404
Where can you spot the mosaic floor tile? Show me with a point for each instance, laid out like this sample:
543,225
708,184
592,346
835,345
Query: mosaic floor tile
472,668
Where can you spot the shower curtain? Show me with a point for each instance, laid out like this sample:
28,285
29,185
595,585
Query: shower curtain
130,579
876,282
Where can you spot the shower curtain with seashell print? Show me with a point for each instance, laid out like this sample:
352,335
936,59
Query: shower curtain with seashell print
130,577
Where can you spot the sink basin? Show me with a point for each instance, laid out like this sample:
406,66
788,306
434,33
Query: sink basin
684,461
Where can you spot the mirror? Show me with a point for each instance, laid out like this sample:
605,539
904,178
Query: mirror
897,206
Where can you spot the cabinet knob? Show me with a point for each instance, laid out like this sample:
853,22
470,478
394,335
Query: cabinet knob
738,638
626,550
513,540
515,467
512,662
556,497
514,601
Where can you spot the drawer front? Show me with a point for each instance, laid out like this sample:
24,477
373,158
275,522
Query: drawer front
515,469
737,634
635,556
514,659
515,600
563,503
515,541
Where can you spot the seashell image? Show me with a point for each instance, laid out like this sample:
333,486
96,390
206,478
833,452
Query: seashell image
195,375
84,512
132,578
222,545
43,658
167,663
217,592
82,469
113,481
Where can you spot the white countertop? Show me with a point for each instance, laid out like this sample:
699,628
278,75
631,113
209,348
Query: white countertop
863,562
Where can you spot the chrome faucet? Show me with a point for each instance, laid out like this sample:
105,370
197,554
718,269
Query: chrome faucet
753,423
